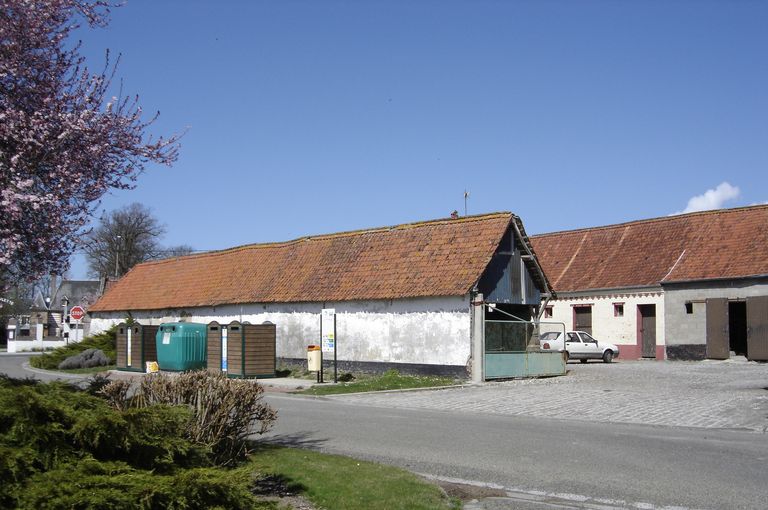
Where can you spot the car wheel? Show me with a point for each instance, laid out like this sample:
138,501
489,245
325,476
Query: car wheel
566,356
608,356
583,360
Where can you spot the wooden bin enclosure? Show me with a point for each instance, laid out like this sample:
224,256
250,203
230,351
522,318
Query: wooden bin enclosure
135,346
242,350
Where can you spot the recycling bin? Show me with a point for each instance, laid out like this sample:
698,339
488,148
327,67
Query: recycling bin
181,346
135,346
248,350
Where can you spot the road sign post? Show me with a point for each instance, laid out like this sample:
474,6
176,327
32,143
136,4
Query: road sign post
328,337
76,313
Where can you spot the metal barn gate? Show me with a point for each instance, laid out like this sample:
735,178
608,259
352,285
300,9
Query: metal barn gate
509,352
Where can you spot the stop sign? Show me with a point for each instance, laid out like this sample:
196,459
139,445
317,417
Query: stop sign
76,312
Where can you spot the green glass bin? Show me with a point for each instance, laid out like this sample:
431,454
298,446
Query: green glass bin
182,346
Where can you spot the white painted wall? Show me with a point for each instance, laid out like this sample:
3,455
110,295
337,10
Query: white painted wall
616,330
419,330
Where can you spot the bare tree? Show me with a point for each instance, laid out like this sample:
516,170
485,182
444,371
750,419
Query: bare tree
176,251
125,237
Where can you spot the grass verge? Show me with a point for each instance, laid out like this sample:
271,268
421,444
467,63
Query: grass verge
87,371
343,483
389,380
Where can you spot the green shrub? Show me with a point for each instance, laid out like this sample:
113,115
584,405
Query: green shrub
110,485
225,412
106,341
46,426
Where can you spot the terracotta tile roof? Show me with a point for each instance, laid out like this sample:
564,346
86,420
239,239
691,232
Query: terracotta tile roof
435,258
726,243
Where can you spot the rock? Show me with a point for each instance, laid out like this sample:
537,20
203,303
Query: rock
86,359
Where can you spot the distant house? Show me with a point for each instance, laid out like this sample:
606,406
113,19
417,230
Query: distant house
406,296
689,286
52,311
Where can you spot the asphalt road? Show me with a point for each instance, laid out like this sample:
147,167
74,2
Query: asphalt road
539,462
13,366
571,463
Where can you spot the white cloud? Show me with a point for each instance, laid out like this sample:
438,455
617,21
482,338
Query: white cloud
712,198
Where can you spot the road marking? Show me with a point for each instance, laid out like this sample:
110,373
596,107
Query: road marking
550,499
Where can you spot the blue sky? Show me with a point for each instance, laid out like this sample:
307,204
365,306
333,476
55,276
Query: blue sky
309,117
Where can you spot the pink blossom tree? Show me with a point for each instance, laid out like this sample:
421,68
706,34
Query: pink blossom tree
64,142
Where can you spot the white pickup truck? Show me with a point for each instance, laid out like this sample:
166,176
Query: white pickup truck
578,345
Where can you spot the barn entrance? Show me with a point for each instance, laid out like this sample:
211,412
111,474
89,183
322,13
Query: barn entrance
739,326
511,344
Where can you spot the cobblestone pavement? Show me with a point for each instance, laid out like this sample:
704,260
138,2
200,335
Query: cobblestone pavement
730,394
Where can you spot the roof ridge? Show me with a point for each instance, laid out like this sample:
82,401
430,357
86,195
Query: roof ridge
335,235
658,219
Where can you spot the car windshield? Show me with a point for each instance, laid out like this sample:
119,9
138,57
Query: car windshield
550,335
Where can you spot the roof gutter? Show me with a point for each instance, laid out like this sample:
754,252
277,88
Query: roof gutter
713,280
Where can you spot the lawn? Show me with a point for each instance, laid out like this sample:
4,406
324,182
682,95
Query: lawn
344,483
389,380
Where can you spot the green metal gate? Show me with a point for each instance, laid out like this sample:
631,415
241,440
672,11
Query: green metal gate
510,352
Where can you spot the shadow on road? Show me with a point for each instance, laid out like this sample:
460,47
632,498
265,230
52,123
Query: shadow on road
297,440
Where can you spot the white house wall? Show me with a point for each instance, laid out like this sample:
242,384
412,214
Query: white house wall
622,331
420,330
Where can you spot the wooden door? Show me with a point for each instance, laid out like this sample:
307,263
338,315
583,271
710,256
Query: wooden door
718,340
757,328
582,318
648,330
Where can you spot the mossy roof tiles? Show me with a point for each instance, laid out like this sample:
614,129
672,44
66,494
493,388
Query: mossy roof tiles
721,244
433,258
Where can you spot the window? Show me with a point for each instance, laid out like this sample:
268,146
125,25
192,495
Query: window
618,309
547,312
689,307
573,337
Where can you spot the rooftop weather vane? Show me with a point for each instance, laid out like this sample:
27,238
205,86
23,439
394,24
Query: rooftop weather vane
466,196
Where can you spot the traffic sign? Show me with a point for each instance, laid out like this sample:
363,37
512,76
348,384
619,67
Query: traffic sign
77,312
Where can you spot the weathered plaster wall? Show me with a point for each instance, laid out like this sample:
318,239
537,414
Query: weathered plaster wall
687,333
622,331
424,330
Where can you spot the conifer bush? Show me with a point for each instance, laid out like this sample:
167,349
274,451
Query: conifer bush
104,341
62,447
